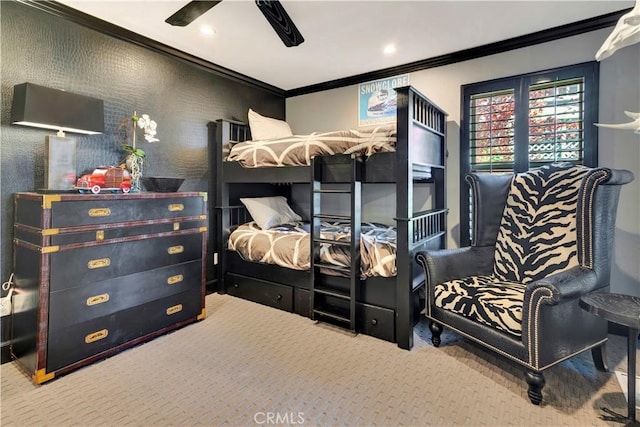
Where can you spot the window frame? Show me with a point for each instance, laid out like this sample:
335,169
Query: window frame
589,71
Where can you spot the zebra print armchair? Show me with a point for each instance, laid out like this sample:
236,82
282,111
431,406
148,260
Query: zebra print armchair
540,240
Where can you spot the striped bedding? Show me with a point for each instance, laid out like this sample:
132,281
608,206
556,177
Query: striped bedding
288,246
297,150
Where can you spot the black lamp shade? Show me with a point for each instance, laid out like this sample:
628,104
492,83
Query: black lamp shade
43,107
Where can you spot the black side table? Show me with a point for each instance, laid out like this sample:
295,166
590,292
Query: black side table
623,310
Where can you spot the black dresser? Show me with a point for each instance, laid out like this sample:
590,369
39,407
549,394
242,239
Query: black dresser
95,274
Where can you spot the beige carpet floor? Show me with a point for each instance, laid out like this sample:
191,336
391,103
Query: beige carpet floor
248,364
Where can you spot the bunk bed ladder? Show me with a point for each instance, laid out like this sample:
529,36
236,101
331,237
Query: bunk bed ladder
330,303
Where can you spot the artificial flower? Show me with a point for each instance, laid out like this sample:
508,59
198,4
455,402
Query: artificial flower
149,126
126,133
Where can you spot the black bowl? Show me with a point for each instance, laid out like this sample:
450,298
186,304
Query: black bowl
161,184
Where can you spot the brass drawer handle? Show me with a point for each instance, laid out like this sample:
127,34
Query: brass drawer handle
97,299
96,336
98,263
175,207
174,309
99,212
175,249
175,279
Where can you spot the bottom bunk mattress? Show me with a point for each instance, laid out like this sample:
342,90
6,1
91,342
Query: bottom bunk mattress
288,245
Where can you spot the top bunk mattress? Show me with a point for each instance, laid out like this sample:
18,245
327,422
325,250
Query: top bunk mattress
298,150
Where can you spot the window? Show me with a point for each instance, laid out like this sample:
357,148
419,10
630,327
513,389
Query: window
521,122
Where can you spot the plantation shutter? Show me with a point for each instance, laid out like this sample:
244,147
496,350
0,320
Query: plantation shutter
491,136
556,122
516,123
491,131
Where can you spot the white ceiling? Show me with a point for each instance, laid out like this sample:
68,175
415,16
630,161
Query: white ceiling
342,38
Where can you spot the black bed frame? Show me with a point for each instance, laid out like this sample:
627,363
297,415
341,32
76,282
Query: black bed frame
387,307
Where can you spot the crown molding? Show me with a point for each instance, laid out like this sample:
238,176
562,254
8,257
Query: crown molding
560,32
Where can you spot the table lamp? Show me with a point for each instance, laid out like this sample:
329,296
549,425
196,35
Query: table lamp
43,107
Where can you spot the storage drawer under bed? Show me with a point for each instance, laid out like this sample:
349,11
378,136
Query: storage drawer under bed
372,320
301,304
375,321
260,291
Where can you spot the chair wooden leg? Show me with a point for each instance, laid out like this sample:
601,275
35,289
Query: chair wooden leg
599,355
536,383
436,330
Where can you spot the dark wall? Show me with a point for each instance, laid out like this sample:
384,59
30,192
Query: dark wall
44,49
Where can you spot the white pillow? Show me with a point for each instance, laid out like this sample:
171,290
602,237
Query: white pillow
268,212
267,128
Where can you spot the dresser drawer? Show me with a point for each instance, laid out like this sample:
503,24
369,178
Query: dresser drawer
75,267
376,321
101,232
107,211
117,231
260,291
72,344
47,211
99,299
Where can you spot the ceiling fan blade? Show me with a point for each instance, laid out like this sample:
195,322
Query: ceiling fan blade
190,12
281,22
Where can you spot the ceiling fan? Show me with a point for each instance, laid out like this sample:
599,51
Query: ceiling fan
271,9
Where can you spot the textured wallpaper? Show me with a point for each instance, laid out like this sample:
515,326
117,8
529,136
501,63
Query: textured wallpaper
50,51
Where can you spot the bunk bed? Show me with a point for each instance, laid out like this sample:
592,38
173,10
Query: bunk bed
384,307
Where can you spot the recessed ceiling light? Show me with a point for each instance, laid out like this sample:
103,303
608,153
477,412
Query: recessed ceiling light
207,30
389,49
